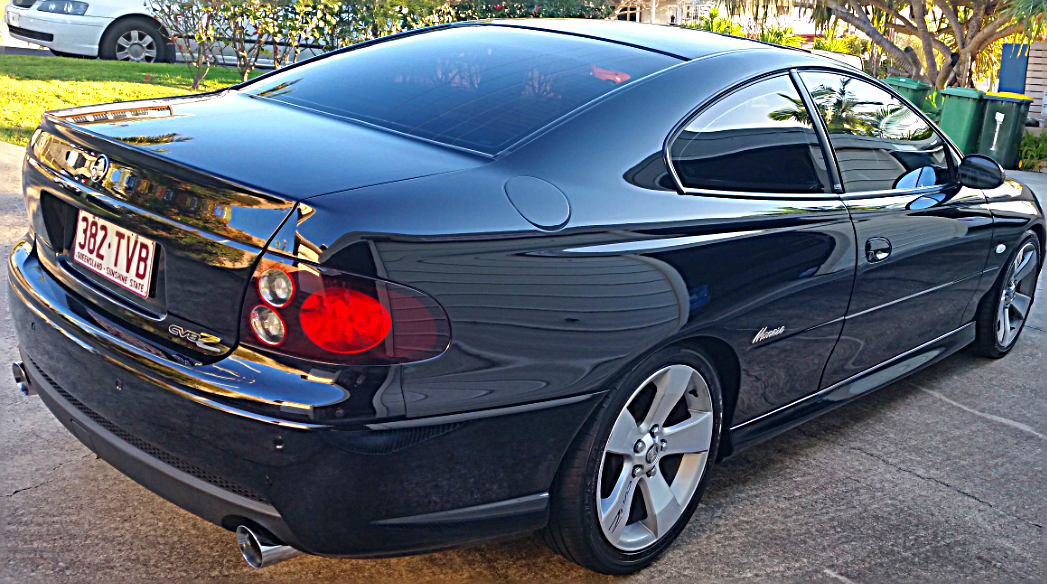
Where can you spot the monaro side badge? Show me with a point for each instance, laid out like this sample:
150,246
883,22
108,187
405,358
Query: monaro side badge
202,340
765,334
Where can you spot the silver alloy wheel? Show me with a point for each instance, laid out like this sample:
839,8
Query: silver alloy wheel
658,446
136,45
1016,297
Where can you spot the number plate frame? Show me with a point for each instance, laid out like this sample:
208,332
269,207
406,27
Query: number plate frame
121,265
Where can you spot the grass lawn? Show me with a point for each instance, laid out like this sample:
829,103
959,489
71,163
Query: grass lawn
30,86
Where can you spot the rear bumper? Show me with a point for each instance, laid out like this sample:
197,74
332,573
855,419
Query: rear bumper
186,485
322,489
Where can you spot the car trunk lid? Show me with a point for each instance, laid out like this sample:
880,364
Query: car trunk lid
161,172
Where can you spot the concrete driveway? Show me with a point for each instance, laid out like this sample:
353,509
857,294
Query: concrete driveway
938,478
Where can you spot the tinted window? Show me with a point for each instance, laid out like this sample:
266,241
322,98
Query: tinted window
759,139
479,87
881,144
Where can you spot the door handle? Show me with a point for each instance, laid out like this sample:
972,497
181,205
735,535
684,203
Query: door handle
877,249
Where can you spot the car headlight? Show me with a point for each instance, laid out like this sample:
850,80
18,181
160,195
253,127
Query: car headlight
71,7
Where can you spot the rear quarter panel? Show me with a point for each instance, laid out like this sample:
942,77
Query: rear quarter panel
538,315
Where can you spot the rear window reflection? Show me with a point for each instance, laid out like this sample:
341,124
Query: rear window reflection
477,87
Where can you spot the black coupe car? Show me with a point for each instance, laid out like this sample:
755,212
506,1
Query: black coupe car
494,278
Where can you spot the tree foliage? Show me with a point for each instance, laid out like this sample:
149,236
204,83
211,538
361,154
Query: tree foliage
714,22
194,32
834,42
952,35
280,29
552,9
779,35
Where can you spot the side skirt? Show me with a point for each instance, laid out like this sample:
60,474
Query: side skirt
789,416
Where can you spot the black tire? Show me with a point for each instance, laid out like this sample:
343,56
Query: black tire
574,530
108,47
987,342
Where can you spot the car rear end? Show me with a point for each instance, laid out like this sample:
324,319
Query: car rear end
173,318
252,388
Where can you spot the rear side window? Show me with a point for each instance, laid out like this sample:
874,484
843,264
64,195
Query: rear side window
478,87
881,144
758,139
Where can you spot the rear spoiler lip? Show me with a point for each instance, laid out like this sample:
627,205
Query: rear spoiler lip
54,122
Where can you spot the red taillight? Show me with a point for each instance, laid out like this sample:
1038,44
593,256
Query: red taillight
329,316
345,321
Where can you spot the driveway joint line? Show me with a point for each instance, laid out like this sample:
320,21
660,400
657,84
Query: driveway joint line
940,482
51,480
836,576
1005,421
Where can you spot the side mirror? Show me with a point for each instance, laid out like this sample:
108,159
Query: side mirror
980,172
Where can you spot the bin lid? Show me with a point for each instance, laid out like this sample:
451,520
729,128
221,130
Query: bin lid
963,92
906,83
1007,96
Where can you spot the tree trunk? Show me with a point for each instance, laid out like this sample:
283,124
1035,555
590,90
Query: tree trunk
863,24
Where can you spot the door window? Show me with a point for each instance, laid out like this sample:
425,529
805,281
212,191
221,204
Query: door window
881,144
758,139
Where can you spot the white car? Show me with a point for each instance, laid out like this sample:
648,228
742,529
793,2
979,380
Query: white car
110,29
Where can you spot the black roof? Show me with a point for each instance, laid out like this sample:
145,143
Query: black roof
681,42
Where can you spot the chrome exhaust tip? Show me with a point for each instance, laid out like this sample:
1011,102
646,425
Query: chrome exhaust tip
258,554
21,379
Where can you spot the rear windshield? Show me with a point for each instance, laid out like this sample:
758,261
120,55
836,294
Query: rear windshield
477,87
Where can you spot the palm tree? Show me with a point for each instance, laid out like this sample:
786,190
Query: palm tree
796,112
841,108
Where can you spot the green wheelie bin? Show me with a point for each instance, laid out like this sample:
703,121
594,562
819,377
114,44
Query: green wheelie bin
962,113
1003,127
912,89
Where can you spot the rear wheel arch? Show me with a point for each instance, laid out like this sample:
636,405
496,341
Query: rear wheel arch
1040,232
728,369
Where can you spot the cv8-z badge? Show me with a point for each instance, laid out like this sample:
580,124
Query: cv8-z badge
202,340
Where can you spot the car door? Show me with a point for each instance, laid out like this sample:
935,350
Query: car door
923,240
777,279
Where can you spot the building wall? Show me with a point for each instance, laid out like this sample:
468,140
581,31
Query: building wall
1036,78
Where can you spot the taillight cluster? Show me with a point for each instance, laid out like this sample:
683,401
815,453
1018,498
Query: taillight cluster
323,315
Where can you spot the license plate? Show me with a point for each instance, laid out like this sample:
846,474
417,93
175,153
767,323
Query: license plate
118,255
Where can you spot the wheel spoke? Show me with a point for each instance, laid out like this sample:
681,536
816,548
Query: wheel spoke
614,510
691,436
1025,266
1020,304
134,36
663,510
1001,323
624,434
676,387
671,386
123,42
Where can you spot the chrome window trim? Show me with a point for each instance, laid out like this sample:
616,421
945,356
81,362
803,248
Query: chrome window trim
698,111
861,76
892,192
755,195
